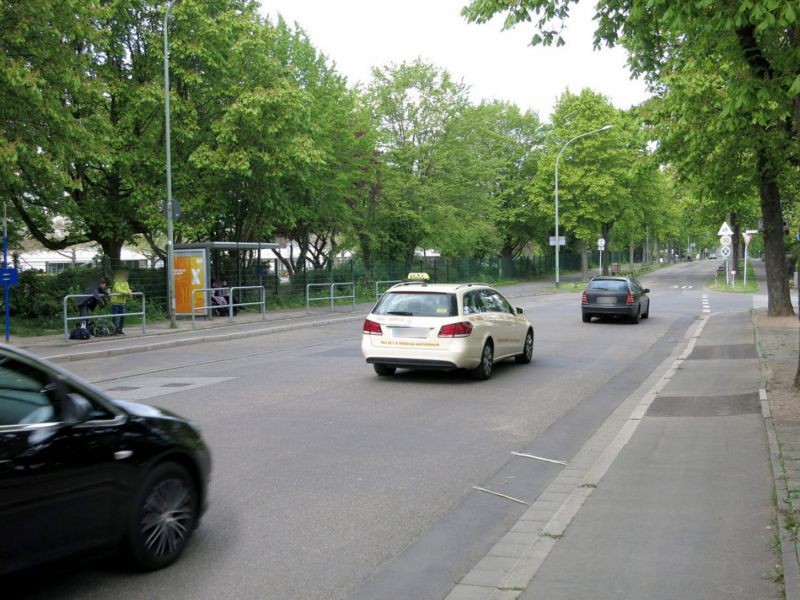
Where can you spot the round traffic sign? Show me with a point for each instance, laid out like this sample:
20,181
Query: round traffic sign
601,243
725,251
725,240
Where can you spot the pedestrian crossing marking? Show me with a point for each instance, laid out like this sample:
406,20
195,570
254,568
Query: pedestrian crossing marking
706,304
682,287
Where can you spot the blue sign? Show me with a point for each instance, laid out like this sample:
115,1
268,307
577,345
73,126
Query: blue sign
8,277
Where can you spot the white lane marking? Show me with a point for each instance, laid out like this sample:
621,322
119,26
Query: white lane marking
706,304
480,489
550,460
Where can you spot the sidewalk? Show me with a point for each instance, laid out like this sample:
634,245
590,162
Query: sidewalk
675,495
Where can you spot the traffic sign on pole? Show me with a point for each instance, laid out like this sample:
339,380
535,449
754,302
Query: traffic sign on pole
725,229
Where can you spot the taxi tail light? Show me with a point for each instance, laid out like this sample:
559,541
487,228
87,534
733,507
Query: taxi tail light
629,299
372,327
584,298
462,329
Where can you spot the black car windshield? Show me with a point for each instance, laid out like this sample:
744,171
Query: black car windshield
417,304
610,285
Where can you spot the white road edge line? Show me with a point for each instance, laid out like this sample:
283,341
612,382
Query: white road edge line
550,460
480,489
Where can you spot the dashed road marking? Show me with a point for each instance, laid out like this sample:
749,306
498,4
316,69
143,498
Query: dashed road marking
706,304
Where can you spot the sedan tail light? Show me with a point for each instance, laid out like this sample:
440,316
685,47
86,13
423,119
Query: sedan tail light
372,327
462,329
629,299
584,298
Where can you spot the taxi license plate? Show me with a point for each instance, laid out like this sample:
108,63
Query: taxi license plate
410,332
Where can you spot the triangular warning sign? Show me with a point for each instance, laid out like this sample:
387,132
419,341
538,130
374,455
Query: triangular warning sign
725,229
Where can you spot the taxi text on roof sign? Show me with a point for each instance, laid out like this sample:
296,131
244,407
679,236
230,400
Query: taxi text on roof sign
418,277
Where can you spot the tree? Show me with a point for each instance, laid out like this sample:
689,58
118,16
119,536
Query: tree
411,106
594,172
755,44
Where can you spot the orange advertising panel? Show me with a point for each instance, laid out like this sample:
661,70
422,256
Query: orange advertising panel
189,267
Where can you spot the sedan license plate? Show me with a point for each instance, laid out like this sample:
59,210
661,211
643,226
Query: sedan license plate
606,300
410,332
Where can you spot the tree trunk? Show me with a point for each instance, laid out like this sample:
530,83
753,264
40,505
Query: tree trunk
779,301
631,254
584,261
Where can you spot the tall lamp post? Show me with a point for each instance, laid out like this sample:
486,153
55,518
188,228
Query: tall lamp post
170,232
558,158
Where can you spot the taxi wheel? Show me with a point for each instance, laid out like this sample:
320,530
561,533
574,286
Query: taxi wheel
383,370
484,370
527,350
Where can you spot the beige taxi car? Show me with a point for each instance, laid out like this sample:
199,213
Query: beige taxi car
434,326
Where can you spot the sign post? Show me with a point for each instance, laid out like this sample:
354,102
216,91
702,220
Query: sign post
725,233
747,237
8,277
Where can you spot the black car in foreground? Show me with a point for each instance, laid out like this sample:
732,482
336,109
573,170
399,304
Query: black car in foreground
615,296
81,472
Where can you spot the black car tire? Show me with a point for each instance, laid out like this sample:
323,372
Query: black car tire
527,350
646,314
164,517
484,370
637,315
383,370
586,317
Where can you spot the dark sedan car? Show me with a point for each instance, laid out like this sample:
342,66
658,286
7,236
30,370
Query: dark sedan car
615,296
80,472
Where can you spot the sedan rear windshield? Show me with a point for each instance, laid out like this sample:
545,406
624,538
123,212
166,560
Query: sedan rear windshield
609,285
417,304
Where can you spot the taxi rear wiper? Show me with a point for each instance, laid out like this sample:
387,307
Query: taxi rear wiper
402,313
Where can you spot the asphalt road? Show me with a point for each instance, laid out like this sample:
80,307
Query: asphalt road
330,482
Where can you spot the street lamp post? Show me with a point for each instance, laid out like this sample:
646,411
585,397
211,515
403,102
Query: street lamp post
170,232
558,158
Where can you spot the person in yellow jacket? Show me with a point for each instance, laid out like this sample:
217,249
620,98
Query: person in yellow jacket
120,292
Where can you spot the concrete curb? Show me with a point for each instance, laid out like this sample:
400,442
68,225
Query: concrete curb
199,339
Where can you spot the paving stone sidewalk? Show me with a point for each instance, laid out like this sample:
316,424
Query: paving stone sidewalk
778,340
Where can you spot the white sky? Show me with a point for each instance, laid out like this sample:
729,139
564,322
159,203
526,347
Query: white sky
360,34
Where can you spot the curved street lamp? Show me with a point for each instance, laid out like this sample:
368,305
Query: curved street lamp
558,158
170,232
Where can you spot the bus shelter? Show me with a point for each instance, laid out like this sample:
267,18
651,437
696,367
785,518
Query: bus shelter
195,268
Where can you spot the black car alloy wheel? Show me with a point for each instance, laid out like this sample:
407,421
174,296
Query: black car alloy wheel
164,516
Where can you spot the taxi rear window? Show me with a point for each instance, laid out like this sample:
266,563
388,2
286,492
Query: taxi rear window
417,304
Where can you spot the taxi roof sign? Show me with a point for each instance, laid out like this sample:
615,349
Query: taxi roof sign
418,277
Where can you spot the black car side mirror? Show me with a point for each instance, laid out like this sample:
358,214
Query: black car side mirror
646,290
518,310
74,409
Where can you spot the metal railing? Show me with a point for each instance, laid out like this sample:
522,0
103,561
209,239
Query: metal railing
390,283
230,305
67,318
330,297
